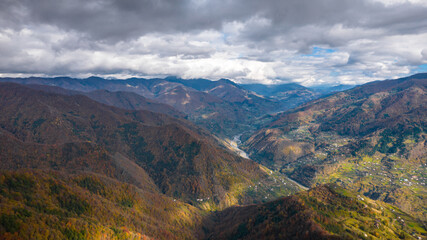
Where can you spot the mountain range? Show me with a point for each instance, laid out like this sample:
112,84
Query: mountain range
51,131
222,107
161,159
371,138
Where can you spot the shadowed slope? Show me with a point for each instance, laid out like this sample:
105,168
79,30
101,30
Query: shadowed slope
76,133
324,212
125,100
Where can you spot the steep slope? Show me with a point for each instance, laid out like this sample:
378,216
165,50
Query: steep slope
358,138
133,101
97,171
222,107
204,109
289,95
125,100
75,133
39,204
222,117
223,88
325,90
324,212
273,90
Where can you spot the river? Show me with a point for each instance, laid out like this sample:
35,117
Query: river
236,142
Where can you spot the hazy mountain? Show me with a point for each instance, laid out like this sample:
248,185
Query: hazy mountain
126,100
133,101
290,95
358,138
223,107
326,89
221,117
272,90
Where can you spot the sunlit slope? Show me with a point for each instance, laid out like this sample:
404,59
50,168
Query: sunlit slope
371,139
324,212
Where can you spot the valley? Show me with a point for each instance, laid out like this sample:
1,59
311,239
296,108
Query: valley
370,139
222,107
213,120
211,160
235,144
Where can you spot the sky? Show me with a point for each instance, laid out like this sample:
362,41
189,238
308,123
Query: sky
311,42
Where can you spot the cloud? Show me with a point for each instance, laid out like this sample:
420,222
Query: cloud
244,40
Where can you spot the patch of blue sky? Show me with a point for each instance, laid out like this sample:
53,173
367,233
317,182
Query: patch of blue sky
320,52
420,69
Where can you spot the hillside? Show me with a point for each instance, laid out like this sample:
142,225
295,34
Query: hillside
38,204
125,100
289,95
223,107
324,212
325,90
133,101
75,168
360,138
74,133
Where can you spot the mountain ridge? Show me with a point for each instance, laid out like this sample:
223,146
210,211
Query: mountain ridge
69,161
205,102
342,138
182,160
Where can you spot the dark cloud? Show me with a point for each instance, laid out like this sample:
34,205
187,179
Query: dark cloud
118,19
258,39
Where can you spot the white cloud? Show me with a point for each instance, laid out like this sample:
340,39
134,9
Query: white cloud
400,2
252,42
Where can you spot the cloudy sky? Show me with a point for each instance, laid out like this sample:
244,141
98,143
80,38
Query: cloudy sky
270,41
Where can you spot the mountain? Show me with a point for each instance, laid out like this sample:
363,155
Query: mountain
290,95
223,107
41,204
125,100
75,168
272,90
224,89
201,84
74,133
133,101
359,138
215,114
325,89
324,212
